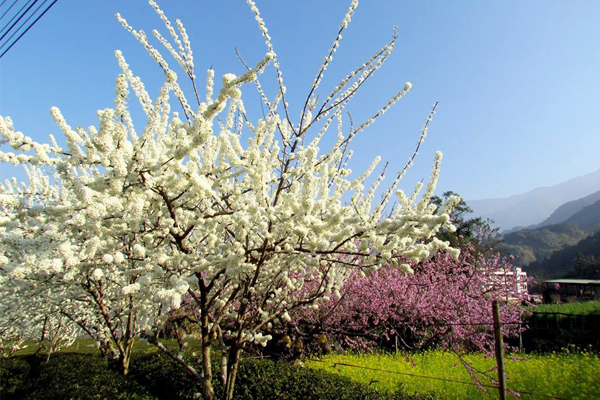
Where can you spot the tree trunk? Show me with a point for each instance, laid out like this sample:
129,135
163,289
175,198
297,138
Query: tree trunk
125,356
107,349
224,366
179,336
48,354
234,362
208,392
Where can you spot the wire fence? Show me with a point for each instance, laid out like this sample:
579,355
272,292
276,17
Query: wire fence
551,321
496,325
387,371
423,324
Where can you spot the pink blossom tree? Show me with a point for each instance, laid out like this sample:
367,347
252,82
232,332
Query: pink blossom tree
446,302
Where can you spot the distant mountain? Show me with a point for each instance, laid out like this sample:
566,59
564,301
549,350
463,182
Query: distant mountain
567,210
588,218
562,262
535,245
537,205
538,244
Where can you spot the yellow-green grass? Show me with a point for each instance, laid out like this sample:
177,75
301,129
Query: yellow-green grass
578,308
565,375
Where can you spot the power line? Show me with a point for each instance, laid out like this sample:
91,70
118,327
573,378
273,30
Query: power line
23,24
11,6
29,27
20,15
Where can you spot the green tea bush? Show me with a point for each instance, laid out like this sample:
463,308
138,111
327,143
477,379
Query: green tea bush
66,376
555,326
162,377
257,379
263,379
154,376
13,375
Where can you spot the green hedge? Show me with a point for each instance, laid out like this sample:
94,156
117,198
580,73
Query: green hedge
155,377
13,375
260,379
548,332
67,376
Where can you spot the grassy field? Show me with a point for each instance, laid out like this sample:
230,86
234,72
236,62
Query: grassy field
565,375
579,308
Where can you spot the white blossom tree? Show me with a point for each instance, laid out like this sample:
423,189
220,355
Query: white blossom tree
52,268
121,223
31,318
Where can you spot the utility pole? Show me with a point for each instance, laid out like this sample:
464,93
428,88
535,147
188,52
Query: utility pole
499,350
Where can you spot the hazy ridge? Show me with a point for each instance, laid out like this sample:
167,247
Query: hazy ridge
546,228
538,205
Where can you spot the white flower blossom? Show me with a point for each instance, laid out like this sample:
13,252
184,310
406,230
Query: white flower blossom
97,274
139,250
201,204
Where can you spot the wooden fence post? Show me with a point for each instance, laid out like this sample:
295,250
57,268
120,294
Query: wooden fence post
499,350
521,319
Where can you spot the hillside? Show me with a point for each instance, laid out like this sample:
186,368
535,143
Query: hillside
567,210
537,205
587,218
561,262
536,244
531,245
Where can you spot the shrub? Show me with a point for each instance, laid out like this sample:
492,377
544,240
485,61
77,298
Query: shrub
154,376
13,375
162,377
66,376
257,379
265,379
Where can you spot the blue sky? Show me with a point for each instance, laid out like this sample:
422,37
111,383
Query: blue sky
517,81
